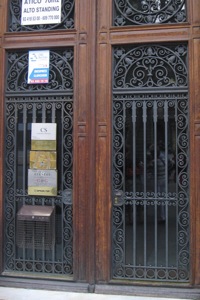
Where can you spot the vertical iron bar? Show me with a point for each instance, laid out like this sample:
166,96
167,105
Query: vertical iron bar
145,188
134,114
53,114
177,180
34,113
43,113
15,167
24,145
43,202
124,173
61,176
166,118
155,118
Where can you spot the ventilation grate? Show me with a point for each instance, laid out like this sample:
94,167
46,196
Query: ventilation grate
36,227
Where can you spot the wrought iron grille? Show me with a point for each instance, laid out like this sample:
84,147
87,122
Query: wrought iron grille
150,163
26,104
67,18
146,12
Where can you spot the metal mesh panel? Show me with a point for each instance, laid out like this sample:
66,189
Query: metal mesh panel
36,227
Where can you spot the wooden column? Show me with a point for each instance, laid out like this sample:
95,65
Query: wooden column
84,143
103,142
194,71
195,164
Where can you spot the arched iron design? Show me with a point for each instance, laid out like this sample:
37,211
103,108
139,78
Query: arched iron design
150,66
142,12
60,73
143,113
24,104
67,18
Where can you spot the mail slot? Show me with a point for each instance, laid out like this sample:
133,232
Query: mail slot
36,227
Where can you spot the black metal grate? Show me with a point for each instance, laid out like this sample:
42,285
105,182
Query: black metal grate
36,227
147,12
26,104
151,221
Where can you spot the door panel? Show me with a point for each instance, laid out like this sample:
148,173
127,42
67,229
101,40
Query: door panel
36,241
150,163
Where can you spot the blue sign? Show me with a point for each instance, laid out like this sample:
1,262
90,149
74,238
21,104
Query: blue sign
38,71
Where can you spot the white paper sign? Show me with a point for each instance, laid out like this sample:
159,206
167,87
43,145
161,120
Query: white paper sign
43,131
38,67
36,12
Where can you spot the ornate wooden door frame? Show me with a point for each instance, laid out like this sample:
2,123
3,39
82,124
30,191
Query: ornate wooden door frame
92,40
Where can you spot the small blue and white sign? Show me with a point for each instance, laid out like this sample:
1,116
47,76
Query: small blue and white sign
38,67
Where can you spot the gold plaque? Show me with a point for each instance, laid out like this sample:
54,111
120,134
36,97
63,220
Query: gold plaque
43,145
43,160
42,191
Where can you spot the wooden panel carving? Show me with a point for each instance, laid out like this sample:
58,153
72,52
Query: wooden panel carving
195,219
81,163
104,14
195,83
195,4
2,8
103,161
1,157
40,40
157,34
84,176
82,15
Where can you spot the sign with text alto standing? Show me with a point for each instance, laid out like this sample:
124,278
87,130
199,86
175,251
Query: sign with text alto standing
37,12
38,66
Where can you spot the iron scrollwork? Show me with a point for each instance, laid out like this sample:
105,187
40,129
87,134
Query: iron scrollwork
26,104
150,101
60,72
150,67
146,12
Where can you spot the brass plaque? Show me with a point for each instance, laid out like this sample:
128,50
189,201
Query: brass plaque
43,160
42,182
43,145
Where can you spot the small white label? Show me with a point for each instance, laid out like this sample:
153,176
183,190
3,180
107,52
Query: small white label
43,131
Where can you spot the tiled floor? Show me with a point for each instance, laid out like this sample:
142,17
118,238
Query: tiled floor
30,294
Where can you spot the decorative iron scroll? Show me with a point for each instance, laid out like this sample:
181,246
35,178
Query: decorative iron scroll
67,19
60,72
151,66
20,113
148,106
26,104
143,12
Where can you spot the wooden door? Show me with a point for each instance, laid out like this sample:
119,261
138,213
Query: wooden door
93,38
120,34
